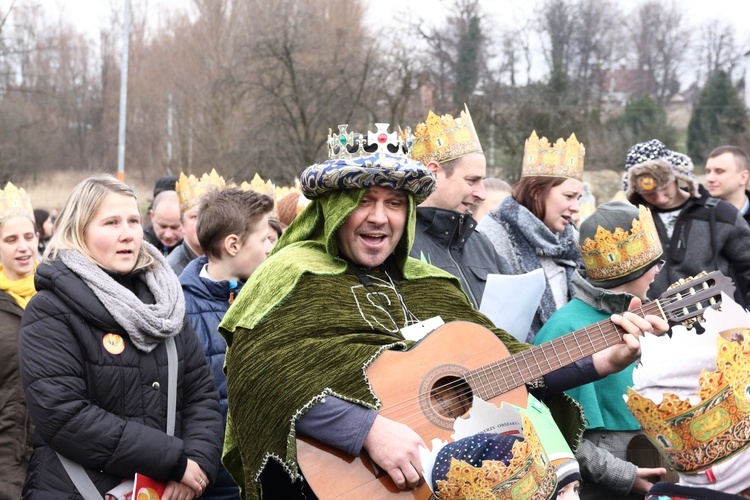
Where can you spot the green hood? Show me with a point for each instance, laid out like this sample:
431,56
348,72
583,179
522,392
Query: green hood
309,246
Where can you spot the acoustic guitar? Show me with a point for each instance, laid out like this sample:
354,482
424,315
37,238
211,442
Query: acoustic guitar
433,383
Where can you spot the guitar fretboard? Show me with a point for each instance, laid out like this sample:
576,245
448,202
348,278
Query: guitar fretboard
502,376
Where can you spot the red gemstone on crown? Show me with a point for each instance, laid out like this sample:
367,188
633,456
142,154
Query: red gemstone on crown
382,138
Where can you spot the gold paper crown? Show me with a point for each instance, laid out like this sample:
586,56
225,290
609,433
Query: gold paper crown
260,186
14,201
615,255
528,476
694,438
191,189
282,191
443,138
564,159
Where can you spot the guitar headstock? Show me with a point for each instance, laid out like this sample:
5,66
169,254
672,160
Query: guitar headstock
685,301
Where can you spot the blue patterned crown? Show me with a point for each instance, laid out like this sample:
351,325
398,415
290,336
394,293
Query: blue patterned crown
359,161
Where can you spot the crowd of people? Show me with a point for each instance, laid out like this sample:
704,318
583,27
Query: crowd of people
246,339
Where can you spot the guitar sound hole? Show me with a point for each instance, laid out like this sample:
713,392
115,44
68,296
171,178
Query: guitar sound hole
451,397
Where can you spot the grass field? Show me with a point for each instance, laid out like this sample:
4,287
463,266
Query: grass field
55,188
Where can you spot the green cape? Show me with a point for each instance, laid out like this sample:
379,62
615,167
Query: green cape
292,341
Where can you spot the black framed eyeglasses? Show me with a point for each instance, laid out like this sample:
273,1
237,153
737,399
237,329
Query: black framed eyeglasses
660,265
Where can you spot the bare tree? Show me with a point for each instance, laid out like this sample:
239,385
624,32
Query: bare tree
660,40
716,50
457,52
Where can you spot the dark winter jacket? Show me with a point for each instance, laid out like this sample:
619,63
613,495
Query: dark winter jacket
150,236
15,423
448,239
103,410
180,258
206,302
690,250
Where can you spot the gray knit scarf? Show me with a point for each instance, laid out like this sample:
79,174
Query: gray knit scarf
531,239
147,325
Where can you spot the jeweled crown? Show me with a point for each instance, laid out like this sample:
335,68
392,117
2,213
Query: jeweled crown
444,138
15,201
612,255
190,189
695,437
346,145
528,476
563,159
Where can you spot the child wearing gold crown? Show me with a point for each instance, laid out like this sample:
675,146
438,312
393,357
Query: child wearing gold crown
533,228
190,190
621,252
18,259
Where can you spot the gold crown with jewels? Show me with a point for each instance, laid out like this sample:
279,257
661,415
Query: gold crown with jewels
694,438
528,476
190,189
15,201
562,159
444,138
612,255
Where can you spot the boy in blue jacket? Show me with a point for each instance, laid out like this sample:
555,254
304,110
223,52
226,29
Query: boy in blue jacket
233,232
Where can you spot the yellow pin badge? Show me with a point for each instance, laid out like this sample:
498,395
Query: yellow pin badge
113,343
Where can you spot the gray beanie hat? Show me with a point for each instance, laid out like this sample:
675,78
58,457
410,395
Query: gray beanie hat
618,243
650,166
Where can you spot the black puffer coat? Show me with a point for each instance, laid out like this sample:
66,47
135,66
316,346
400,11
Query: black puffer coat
103,410
15,424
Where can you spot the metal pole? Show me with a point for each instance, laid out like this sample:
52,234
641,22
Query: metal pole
123,94
170,114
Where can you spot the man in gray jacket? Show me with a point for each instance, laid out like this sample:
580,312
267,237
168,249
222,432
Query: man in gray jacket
698,233
446,235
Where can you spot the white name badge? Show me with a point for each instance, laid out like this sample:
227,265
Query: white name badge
418,331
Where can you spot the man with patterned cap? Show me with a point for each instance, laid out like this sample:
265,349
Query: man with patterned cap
621,253
446,234
190,190
698,233
338,291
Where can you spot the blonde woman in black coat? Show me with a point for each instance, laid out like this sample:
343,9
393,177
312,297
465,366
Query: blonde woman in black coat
94,360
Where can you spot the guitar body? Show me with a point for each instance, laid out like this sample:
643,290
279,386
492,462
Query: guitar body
423,388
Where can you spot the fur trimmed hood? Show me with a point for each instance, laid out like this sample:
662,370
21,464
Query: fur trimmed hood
650,166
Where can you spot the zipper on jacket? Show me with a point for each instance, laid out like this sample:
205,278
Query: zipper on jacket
464,282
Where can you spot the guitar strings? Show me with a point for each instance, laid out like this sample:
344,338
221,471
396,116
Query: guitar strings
548,350
413,416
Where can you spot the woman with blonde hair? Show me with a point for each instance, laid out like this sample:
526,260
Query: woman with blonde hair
115,378
18,257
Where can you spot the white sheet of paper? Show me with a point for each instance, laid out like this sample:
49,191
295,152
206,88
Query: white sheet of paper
510,301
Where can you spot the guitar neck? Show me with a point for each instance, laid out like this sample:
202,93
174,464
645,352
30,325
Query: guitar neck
502,376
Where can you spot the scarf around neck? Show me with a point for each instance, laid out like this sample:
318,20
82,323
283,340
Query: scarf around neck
20,290
532,240
147,325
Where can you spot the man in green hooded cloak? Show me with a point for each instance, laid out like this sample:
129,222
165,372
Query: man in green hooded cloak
336,292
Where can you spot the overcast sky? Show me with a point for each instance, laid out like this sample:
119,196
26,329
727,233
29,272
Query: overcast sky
90,15
87,14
